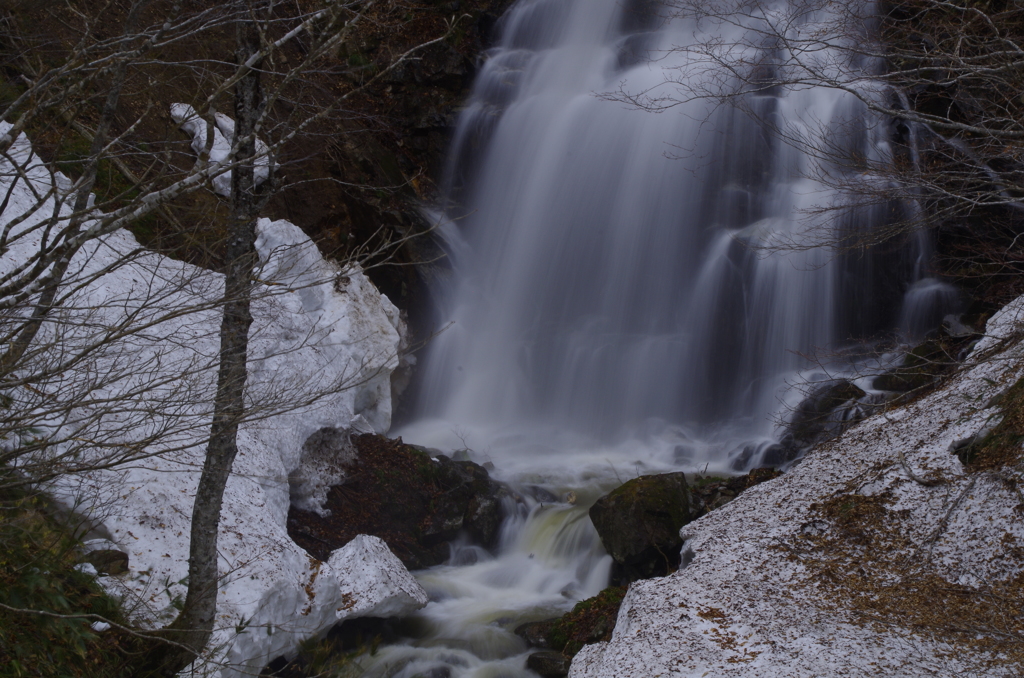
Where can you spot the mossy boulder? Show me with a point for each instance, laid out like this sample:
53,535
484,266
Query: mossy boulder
590,621
536,634
416,504
639,525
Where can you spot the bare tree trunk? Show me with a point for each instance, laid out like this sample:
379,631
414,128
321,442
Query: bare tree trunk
192,629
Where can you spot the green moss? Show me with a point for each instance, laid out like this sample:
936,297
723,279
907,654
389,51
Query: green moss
1001,447
590,621
37,560
9,92
650,494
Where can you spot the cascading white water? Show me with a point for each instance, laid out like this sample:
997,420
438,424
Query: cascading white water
628,278
549,558
633,292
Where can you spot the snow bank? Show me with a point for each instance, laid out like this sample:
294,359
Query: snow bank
223,137
322,348
771,586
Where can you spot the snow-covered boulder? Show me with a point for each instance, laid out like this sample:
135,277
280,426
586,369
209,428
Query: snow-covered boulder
879,554
223,136
136,344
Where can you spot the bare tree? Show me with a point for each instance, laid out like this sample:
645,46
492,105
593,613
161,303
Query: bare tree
78,352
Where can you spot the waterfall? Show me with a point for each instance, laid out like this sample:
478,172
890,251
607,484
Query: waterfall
635,292
626,275
627,278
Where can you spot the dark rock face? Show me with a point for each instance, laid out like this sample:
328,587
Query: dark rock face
924,365
813,416
414,503
548,664
828,408
641,15
590,621
639,525
107,561
536,633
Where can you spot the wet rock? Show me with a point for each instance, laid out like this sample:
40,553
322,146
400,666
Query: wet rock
713,491
540,494
358,634
416,504
349,638
639,525
764,453
776,455
105,556
640,15
590,621
536,634
548,664
829,408
813,418
919,369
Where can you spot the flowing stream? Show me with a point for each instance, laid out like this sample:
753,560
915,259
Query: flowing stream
633,292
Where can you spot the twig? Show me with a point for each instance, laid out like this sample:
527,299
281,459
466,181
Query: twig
941,527
912,476
151,635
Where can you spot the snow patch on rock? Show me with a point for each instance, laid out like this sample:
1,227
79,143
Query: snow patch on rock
749,603
323,344
223,136
324,455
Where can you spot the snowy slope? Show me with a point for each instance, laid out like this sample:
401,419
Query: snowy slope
322,347
774,577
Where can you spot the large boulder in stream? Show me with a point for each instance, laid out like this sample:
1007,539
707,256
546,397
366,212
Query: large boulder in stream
415,503
639,525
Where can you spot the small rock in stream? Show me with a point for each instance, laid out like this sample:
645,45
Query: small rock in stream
548,664
536,633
